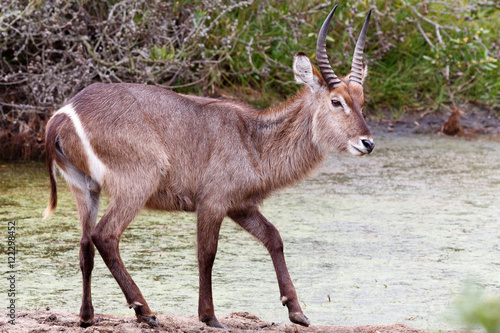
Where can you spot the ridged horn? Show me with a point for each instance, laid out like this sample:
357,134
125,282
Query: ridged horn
357,60
324,65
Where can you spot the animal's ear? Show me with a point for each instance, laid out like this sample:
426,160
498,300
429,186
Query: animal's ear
364,73
305,73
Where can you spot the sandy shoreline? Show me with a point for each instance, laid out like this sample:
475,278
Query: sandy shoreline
238,322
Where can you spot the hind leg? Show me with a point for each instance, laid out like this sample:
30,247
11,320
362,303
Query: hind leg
209,223
106,237
87,200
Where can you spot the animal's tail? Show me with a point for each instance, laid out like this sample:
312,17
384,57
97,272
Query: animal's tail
51,146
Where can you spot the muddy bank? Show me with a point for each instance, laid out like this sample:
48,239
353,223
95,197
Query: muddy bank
23,138
475,121
238,322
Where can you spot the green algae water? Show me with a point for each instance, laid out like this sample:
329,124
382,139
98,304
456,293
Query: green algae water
382,239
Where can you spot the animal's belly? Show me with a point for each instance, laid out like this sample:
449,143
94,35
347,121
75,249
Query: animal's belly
167,200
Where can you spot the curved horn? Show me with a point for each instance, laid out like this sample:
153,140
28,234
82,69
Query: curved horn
357,60
324,65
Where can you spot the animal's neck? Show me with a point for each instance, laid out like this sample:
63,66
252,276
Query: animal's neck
284,136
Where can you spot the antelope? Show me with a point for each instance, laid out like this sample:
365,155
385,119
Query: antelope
148,147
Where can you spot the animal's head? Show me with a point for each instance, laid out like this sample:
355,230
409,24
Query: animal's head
337,103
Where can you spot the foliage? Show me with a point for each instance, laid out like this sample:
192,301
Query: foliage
478,310
422,54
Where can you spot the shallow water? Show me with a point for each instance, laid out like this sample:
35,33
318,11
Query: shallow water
383,239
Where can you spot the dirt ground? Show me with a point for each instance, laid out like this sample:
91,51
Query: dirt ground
238,322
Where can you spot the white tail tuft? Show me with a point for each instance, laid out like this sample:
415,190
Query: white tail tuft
48,212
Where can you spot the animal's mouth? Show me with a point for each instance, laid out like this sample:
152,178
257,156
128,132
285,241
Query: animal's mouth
357,151
362,147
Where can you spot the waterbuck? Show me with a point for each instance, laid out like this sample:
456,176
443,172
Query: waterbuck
150,147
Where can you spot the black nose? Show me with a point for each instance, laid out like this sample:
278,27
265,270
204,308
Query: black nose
369,145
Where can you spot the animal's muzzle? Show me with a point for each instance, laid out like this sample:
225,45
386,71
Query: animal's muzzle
369,145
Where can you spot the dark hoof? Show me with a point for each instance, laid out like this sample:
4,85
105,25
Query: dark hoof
86,323
299,318
211,321
151,321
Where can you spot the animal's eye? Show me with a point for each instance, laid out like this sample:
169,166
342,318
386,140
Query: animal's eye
336,103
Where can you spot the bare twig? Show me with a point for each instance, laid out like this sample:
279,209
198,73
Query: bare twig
26,11
425,35
435,24
32,108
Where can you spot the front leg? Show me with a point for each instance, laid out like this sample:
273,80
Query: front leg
256,224
207,238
